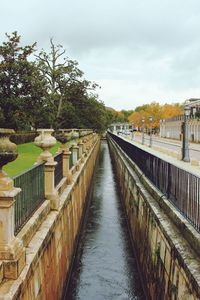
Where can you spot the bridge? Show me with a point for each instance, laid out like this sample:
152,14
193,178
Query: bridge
100,220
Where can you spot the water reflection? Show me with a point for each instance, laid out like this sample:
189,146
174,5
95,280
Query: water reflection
105,267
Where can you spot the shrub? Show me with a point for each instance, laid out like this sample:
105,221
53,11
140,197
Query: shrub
23,137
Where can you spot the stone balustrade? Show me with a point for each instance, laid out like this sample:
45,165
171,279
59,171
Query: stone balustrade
12,248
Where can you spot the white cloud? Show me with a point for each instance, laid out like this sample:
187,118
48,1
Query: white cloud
137,50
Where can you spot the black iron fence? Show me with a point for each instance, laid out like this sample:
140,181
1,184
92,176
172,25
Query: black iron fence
58,174
180,187
32,195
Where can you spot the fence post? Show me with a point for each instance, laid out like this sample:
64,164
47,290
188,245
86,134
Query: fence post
12,251
45,141
80,144
66,171
87,143
84,147
75,153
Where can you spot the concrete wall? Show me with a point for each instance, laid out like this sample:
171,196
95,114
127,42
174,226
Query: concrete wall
172,129
169,264
50,238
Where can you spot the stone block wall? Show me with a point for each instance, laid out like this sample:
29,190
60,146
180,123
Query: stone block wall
168,262
50,250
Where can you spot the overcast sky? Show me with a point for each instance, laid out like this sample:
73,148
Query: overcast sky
138,51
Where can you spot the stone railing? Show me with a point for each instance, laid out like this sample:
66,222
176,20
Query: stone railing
17,206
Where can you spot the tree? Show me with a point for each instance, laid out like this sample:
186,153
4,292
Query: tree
50,91
60,73
157,112
15,72
21,85
170,111
127,113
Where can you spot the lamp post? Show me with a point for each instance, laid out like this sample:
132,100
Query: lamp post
164,133
161,128
132,131
142,131
185,145
150,139
194,110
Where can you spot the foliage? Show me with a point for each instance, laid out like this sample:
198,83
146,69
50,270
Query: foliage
157,111
22,138
51,91
47,92
20,84
118,116
126,113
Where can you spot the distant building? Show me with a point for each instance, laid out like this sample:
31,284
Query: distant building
172,128
121,127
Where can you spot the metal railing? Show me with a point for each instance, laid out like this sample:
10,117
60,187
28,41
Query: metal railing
180,187
58,174
32,195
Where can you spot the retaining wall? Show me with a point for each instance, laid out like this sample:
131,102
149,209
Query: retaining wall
168,262
50,238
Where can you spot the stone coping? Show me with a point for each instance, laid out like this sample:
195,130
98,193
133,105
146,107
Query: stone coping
36,237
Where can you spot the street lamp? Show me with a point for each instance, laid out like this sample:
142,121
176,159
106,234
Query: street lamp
132,131
185,145
150,140
161,128
194,110
164,131
142,131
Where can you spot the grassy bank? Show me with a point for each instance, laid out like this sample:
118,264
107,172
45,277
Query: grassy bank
27,156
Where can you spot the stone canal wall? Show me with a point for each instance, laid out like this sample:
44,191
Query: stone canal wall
50,238
167,251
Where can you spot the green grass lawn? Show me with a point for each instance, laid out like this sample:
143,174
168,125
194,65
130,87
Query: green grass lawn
27,156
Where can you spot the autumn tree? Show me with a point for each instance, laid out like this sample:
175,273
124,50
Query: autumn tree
157,111
170,111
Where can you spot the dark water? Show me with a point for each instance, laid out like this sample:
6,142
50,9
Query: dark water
105,267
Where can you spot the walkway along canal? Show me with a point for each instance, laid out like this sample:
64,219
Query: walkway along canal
105,267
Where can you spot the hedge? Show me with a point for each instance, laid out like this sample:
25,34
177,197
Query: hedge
22,138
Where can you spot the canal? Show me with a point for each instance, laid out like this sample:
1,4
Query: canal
105,266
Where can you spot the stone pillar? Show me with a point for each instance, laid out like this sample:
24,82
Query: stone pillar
93,138
74,154
80,144
89,142
46,141
66,158
12,251
85,147
50,191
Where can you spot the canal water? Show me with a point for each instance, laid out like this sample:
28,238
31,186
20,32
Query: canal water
105,266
